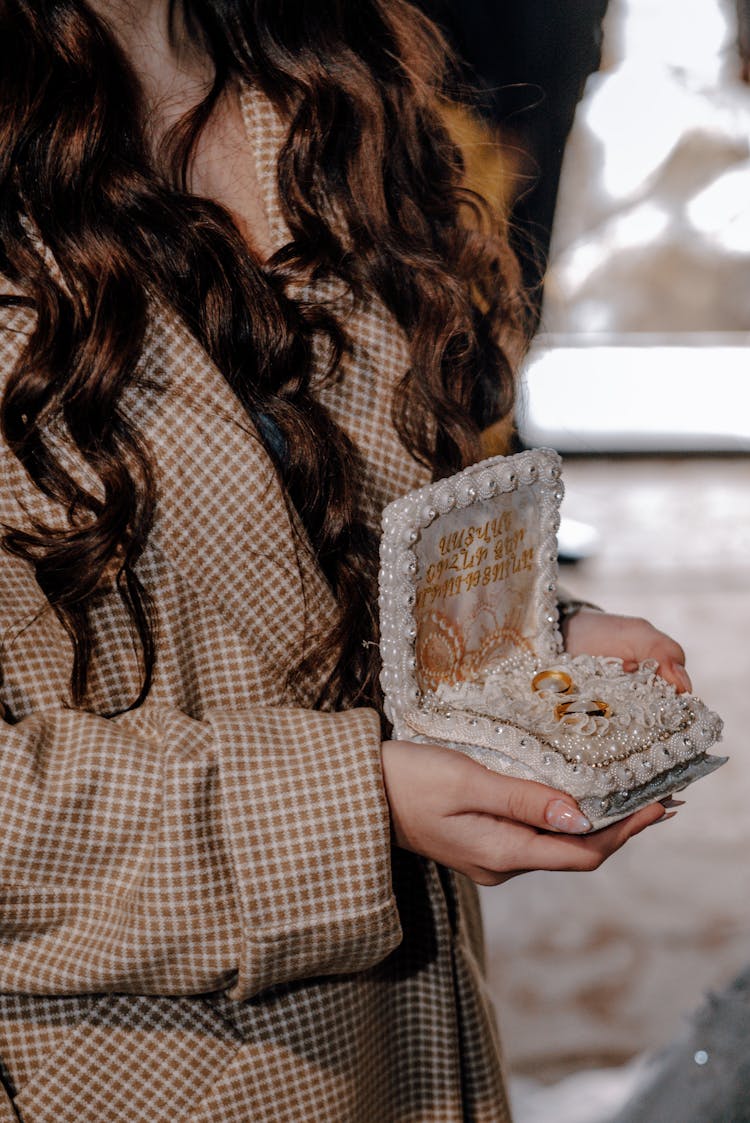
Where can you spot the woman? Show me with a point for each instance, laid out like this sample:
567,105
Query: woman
239,314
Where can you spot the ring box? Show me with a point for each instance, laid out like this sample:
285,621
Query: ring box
473,657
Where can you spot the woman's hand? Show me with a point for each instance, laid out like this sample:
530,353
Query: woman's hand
630,639
490,827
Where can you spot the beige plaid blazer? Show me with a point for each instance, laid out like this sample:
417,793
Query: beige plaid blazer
201,916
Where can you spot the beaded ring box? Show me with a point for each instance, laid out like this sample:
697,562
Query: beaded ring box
473,657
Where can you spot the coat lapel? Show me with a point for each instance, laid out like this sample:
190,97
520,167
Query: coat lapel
223,519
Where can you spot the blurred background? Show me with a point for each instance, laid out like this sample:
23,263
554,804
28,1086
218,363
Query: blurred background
638,375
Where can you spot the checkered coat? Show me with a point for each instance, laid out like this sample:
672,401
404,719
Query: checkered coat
201,918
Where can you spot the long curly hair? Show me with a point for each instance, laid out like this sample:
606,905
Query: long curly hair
370,184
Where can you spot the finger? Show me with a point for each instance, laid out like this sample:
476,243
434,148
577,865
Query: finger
665,818
555,852
499,849
671,662
681,679
646,817
675,653
522,801
677,675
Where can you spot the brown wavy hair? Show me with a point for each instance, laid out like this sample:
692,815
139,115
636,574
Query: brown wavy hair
370,185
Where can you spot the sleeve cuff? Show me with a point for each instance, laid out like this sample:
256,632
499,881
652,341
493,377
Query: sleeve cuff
309,831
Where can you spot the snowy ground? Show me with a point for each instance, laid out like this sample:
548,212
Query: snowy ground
583,1097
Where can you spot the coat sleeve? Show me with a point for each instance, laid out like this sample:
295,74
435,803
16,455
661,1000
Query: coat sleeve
157,854
163,853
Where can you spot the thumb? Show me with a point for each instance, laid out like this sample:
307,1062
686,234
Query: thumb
676,674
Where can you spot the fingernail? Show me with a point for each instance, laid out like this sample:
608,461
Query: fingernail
671,802
562,817
669,815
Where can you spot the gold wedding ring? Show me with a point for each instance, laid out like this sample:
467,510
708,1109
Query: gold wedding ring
553,682
591,707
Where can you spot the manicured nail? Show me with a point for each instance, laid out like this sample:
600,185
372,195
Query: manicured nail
663,819
671,802
562,817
